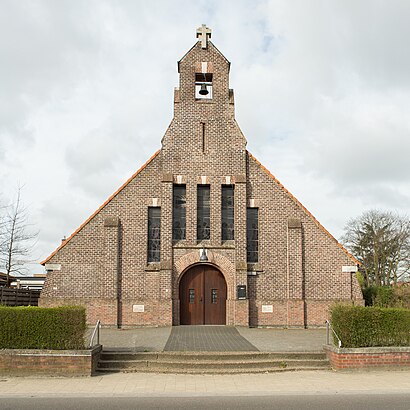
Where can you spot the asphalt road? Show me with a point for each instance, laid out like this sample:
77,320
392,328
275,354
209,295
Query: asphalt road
282,402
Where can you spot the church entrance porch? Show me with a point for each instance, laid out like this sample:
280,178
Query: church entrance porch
202,295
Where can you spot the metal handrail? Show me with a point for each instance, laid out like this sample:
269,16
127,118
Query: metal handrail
96,332
328,328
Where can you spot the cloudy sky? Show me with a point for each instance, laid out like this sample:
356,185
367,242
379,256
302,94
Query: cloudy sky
322,92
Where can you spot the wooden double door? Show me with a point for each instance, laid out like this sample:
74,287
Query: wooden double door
202,295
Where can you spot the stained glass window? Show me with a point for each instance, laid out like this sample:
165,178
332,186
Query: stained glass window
203,213
252,235
179,212
154,234
227,212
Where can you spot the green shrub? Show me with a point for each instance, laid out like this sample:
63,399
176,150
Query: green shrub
402,296
387,296
31,327
359,326
384,297
369,294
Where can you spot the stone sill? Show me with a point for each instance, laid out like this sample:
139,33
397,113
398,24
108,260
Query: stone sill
367,350
204,100
254,267
46,352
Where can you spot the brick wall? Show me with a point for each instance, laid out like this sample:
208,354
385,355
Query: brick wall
104,265
28,362
367,358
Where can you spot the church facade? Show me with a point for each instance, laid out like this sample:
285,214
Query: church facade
202,233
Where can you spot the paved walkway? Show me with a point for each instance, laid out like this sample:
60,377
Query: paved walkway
146,339
180,385
265,340
207,339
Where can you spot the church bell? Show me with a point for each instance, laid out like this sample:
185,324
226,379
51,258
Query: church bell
203,90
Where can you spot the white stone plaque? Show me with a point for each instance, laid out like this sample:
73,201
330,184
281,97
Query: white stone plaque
267,308
138,308
348,269
52,266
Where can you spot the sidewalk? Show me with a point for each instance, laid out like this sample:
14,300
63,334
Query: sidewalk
180,385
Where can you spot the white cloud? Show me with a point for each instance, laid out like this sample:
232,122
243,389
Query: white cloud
322,94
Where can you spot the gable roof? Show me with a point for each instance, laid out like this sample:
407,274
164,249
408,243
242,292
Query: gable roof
152,158
305,209
100,208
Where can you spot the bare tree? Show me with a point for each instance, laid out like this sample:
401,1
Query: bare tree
16,238
381,242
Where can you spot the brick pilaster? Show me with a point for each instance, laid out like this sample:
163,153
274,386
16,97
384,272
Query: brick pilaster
296,314
242,306
112,274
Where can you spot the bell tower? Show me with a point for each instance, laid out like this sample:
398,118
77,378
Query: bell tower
203,136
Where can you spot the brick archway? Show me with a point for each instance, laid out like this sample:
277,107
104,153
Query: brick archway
215,259
221,262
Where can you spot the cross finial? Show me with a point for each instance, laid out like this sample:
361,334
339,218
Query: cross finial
203,33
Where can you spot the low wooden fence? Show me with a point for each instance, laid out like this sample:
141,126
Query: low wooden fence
19,297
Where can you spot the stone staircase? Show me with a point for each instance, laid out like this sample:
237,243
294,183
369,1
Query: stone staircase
210,362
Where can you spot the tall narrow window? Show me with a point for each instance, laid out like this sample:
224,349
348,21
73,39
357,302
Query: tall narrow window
154,234
179,212
227,212
252,234
203,226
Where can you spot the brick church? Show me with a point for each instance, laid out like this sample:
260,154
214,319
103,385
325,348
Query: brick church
202,233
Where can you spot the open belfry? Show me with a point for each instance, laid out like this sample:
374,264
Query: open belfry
202,233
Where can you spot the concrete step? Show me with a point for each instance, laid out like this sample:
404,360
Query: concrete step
211,362
212,370
210,356
131,364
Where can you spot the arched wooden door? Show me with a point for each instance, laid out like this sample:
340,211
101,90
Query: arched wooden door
202,295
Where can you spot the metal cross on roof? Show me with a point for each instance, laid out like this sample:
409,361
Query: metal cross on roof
203,33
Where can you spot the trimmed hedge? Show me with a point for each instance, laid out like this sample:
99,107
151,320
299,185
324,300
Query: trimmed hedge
32,327
359,326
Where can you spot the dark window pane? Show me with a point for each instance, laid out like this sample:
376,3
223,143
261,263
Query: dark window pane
252,235
191,295
154,234
227,213
214,295
203,213
179,212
